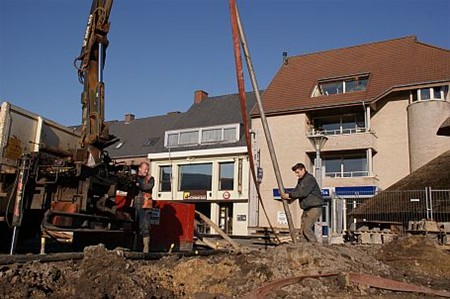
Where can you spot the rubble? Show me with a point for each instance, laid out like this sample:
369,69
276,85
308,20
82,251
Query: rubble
106,274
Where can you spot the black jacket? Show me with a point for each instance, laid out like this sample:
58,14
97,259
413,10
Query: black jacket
307,192
145,185
142,185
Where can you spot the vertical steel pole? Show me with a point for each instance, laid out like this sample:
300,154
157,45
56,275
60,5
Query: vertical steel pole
264,121
319,169
19,202
430,198
427,206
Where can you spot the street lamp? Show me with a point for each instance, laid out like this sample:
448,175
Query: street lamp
318,140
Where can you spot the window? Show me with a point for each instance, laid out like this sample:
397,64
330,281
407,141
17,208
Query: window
211,135
189,137
172,139
226,176
195,177
165,179
340,124
357,84
341,85
229,134
425,94
331,88
429,93
219,134
151,141
344,166
119,145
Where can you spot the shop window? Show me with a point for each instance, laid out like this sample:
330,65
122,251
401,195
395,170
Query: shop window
195,177
165,178
226,176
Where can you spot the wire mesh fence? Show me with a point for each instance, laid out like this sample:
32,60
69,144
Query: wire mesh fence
390,206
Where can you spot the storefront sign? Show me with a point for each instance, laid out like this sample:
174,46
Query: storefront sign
194,195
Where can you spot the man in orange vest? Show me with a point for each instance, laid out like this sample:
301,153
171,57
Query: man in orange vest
143,202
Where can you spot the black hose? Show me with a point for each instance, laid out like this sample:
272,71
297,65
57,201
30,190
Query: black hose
131,255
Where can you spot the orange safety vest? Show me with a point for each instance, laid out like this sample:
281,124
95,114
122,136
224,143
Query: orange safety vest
147,203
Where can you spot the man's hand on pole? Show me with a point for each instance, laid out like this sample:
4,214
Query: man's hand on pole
285,196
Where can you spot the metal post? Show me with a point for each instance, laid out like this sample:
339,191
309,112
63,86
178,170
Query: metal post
427,206
334,214
20,197
318,168
430,197
264,122
344,215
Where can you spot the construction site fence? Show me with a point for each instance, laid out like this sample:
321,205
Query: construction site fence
399,207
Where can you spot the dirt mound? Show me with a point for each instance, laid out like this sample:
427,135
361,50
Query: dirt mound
419,257
30,280
107,274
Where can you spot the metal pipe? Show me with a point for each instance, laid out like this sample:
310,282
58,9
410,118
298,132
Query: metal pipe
265,125
344,215
101,61
37,138
20,197
14,240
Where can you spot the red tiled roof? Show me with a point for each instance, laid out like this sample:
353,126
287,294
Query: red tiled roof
390,64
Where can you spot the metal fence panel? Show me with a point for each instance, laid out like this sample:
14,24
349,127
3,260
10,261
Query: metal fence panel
390,206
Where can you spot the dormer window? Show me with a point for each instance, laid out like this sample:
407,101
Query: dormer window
347,84
202,136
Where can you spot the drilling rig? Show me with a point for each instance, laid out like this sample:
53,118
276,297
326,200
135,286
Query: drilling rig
66,188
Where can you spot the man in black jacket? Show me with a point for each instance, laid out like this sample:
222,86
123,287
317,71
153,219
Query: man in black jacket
308,193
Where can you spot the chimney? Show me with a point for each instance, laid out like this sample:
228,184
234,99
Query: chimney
129,118
199,96
285,58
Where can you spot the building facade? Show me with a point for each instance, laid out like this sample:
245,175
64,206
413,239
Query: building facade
377,105
198,157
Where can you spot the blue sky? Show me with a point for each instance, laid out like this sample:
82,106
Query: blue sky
160,52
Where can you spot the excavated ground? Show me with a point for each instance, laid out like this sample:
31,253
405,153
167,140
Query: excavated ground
105,274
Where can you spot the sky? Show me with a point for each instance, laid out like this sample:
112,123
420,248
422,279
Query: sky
161,52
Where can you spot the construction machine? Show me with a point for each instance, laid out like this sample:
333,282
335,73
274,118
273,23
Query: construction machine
60,183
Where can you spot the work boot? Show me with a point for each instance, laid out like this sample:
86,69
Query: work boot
146,241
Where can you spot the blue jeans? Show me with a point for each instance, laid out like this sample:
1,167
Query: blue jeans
142,217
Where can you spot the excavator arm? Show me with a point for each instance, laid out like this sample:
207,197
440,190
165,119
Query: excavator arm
90,64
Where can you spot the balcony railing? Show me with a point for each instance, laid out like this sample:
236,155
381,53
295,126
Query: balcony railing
338,131
346,174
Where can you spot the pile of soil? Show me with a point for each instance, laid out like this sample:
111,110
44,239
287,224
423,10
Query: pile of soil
106,274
